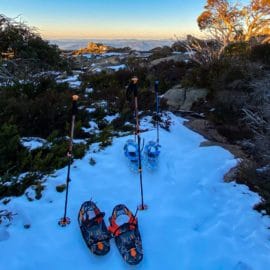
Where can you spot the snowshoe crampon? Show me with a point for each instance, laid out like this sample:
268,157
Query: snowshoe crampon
151,152
93,228
127,236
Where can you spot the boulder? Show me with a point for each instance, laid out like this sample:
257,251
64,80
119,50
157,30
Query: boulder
179,98
175,58
175,97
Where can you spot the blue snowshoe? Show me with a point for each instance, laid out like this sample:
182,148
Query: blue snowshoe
132,153
151,153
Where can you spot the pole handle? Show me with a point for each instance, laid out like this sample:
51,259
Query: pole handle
74,108
134,85
156,86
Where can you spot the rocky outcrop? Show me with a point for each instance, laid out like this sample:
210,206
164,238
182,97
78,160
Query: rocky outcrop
179,98
92,48
175,58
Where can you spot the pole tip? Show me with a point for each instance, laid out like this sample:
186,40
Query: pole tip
142,207
75,97
64,221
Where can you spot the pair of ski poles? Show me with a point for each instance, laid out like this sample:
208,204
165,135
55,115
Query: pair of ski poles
134,87
64,221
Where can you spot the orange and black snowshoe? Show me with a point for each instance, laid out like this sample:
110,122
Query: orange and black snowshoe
93,228
127,236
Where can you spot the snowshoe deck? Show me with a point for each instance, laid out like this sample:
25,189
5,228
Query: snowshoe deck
127,236
93,229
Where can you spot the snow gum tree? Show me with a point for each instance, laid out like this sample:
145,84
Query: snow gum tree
229,21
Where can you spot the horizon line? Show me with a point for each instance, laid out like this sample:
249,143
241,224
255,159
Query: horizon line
109,38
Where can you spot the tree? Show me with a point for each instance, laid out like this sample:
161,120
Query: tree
229,22
257,20
23,51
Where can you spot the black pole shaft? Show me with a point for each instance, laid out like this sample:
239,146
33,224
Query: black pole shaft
137,131
140,170
64,221
67,186
69,162
157,109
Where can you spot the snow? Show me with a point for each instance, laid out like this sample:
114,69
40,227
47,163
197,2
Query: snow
91,110
195,221
33,142
110,118
92,129
117,67
88,55
79,141
109,54
73,81
89,90
98,70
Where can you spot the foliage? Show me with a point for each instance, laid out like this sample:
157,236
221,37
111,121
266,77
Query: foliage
22,42
261,53
13,156
160,52
169,73
37,108
229,22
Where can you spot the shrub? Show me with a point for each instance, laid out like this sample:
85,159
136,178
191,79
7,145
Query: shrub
13,156
261,53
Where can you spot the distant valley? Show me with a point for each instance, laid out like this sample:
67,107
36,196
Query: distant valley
135,44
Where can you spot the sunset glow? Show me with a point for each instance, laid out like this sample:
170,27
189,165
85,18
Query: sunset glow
107,19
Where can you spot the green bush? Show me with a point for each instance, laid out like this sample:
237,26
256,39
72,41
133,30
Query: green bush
237,49
26,44
13,156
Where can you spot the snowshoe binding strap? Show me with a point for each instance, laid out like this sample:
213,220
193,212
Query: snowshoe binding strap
117,230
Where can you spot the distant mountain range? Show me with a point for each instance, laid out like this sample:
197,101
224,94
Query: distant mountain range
136,44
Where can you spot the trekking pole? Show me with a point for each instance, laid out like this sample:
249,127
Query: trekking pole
134,80
142,206
64,221
157,109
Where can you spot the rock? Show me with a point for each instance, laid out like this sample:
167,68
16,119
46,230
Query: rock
175,58
175,97
208,130
92,48
27,226
193,95
231,175
60,188
179,98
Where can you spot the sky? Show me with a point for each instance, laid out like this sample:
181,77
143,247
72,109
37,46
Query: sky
142,19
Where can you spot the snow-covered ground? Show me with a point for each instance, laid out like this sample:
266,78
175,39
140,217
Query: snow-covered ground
117,67
33,143
194,221
110,118
73,81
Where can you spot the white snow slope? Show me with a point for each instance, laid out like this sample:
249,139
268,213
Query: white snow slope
194,221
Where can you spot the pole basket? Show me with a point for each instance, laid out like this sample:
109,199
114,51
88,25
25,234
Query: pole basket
142,207
64,221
